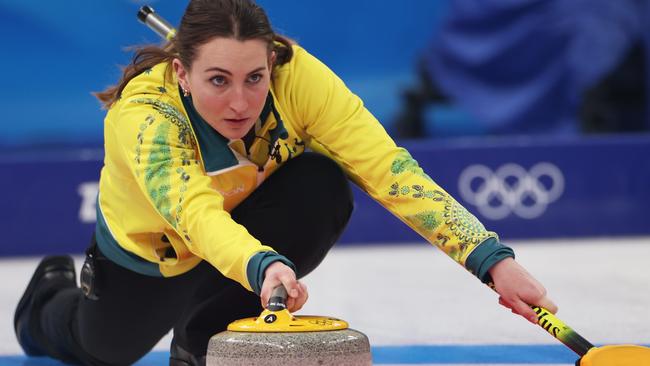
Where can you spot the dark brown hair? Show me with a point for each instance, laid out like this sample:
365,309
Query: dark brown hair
202,21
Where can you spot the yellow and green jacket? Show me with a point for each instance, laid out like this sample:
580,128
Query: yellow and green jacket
169,180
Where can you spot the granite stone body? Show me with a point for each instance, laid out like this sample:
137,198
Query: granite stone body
346,347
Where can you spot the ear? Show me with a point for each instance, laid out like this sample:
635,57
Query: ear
181,74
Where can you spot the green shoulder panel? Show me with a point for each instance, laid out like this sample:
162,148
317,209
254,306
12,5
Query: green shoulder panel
173,115
157,172
158,167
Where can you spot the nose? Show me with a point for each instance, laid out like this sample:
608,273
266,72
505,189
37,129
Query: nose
238,101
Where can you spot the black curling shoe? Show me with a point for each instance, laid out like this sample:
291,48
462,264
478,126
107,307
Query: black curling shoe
54,273
180,357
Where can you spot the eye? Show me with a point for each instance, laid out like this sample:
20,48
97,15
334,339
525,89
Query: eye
255,78
218,80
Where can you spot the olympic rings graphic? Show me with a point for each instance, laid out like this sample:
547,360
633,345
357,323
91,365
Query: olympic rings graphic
511,189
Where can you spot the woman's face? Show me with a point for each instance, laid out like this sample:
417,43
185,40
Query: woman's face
229,81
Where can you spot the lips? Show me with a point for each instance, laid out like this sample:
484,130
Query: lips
236,120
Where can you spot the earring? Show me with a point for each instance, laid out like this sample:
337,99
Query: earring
186,93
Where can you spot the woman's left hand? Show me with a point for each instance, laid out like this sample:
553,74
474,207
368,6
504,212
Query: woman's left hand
518,289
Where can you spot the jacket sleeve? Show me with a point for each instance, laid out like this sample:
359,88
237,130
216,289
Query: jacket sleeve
157,147
340,126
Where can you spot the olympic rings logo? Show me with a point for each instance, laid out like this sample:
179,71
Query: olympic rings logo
511,189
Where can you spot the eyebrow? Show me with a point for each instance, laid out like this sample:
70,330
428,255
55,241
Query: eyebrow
215,68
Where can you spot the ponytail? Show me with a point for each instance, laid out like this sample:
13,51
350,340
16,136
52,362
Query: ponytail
283,50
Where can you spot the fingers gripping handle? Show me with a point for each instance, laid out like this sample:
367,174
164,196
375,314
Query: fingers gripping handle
556,327
278,299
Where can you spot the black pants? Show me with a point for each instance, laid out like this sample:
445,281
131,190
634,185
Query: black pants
300,211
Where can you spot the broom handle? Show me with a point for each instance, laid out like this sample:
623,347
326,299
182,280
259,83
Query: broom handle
158,24
562,332
556,327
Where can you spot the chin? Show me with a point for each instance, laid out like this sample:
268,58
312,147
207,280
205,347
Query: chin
231,133
234,135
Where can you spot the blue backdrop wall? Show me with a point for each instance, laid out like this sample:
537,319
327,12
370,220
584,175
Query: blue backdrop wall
55,54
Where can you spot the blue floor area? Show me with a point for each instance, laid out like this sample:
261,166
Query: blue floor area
451,354
479,354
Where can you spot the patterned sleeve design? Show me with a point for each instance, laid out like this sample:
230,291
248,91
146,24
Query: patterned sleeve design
468,230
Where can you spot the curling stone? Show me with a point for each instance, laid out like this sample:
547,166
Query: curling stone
277,337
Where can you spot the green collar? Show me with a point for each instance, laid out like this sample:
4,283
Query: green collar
215,151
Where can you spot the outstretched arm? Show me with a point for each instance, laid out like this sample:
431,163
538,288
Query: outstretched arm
336,123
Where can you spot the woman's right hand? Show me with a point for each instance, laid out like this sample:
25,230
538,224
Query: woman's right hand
518,290
278,273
